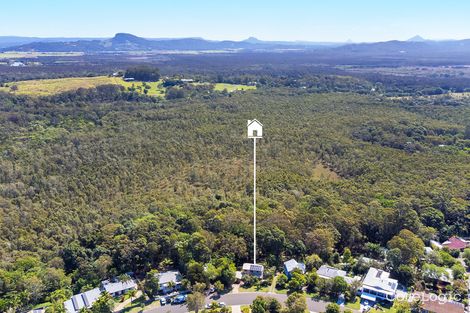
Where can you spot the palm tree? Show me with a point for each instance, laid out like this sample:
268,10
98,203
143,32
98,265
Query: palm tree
171,285
124,278
132,293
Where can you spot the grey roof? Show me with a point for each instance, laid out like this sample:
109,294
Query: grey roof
82,300
118,286
169,276
330,272
380,281
293,264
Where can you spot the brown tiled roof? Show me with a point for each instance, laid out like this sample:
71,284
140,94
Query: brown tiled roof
440,307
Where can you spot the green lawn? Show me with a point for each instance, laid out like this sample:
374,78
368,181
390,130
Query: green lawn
384,310
135,306
281,291
254,289
47,87
232,87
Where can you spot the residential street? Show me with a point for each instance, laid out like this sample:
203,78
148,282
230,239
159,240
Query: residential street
243,298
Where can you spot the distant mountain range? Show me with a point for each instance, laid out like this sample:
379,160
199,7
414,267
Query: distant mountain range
129,42
415,46
12,41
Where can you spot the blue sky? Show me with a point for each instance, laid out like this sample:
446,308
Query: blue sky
315,20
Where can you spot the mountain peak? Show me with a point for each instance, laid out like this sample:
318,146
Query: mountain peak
252,40
417,38
125,39
124,36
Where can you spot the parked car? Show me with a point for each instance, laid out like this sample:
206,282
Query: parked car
222,304
162,301
179,299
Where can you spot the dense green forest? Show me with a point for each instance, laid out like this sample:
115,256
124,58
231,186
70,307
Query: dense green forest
103,184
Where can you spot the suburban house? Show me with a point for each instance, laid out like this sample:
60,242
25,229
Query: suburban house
169,281
118,287
253,269
441,278
82,300
377,285
431,304
456,243
86,299
17,64
291,265
436,306
371,262
328,272
255,129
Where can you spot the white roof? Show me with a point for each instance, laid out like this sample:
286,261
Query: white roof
118,286
169,276
82,300
380,281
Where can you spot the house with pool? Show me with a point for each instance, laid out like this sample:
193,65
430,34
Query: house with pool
377,286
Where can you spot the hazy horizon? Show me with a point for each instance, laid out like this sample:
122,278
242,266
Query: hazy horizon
202,37
298,20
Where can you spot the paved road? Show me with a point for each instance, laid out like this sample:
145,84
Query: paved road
242,298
